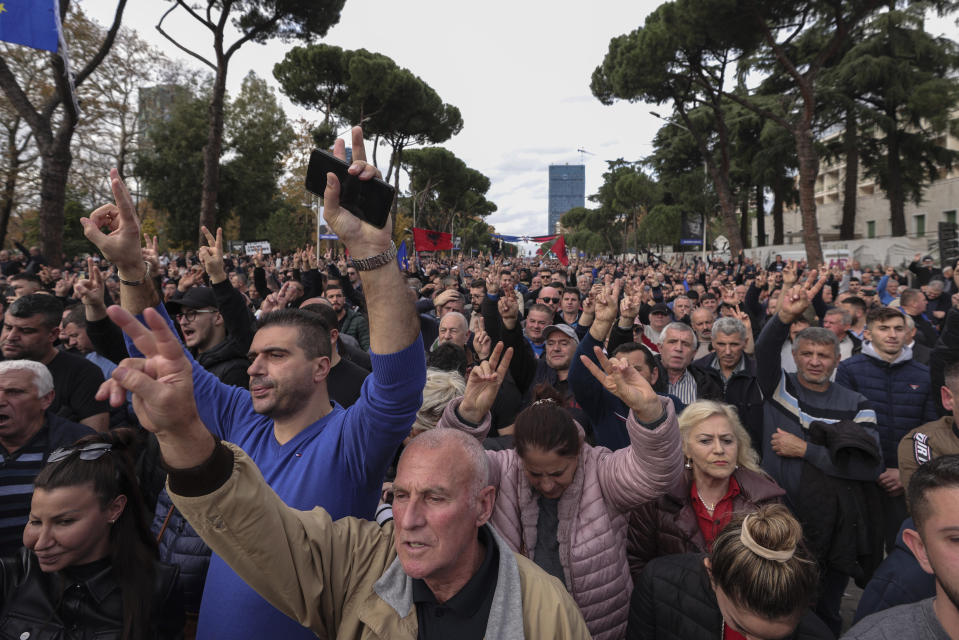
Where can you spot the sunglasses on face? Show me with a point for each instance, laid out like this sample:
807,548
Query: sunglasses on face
92,451
553,300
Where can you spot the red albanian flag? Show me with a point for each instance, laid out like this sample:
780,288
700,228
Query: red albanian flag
429,240
557,246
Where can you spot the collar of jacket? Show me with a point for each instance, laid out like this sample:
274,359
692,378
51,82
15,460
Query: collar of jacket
389,609
753,486
904,356
99,586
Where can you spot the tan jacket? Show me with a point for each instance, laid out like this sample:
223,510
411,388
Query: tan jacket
342,579
922,444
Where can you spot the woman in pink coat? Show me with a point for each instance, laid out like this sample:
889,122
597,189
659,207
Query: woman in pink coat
563,503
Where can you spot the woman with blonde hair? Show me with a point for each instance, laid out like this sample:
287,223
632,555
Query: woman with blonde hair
442,387
721,477
758,582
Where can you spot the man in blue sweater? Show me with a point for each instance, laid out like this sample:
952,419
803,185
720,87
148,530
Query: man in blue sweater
312,452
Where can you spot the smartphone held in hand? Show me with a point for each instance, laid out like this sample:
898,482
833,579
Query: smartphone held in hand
368,200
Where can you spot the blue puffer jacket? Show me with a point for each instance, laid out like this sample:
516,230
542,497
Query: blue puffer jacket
181,545
900,392
898,580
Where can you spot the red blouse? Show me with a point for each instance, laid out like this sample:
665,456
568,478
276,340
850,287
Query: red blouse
711,525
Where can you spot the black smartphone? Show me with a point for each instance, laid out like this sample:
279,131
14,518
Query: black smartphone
368,200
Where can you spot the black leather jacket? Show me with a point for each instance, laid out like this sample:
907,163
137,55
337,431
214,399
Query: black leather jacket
34,608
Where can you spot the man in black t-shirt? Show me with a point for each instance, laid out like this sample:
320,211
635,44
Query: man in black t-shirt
31,327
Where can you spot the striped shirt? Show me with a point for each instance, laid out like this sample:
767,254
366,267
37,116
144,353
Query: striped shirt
17,471
684,388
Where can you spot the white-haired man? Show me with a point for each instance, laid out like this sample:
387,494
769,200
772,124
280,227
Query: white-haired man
28,433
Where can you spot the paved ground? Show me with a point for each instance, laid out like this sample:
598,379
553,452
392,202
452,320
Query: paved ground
849,603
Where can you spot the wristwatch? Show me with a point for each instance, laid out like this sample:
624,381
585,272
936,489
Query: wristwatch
375,262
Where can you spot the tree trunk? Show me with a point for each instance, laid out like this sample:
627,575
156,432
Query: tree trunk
847,229
897,198
54,167
727,211
744,218
212,151
808,170
760,216
777,212
9,185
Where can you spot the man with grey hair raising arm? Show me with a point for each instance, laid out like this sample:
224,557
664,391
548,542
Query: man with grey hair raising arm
804,410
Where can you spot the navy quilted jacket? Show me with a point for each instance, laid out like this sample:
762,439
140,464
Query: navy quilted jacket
181,545
899,392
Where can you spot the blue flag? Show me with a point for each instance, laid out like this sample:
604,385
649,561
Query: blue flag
401,258
33,23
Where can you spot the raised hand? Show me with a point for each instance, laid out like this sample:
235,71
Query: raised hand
482,343
151,253
64,285
508,309
622,380
362,239
790,274
606,303
792,303
190,278
483,384
90,289
121,245
814,285
211,255
162,386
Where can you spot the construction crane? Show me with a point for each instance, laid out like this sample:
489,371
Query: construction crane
582,155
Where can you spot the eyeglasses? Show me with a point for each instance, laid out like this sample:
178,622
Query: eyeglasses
553,300
92,451
191,314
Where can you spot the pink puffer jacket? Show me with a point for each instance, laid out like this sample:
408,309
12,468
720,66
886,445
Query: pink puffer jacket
592,512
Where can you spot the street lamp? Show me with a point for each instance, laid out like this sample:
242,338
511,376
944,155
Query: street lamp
705,169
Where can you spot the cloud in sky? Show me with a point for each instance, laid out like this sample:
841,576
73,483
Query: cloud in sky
518,71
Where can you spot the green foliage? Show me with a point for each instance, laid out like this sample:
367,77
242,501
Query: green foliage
352,87
171,167
660,226
448,193
284,19
259,136
594,231
287,228
315,77
903,85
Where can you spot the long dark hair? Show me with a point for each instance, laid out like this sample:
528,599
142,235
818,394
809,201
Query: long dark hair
132,546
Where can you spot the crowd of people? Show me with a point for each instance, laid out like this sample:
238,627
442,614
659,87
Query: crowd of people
211,445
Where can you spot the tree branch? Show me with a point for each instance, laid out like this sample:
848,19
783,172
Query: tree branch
18,98
159,27
253,33
104,46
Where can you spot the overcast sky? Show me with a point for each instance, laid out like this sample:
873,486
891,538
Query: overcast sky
518,71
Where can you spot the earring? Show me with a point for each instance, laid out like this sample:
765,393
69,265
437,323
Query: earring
689,463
